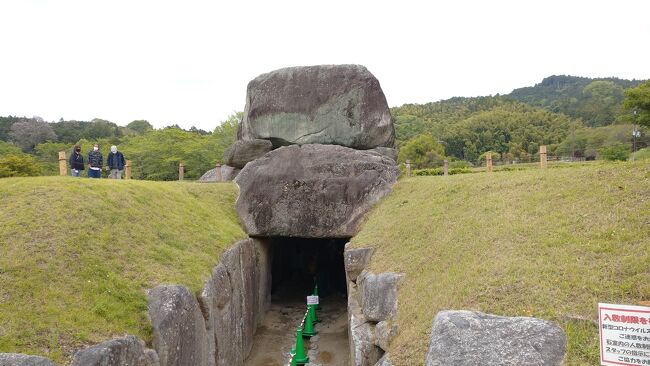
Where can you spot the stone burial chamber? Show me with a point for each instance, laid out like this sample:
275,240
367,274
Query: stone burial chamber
330,136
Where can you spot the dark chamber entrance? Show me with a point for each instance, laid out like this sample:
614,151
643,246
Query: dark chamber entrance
297,264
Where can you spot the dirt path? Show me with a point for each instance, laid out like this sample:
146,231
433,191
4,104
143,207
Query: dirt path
275,337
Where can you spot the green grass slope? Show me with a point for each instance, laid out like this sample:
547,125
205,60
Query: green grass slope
545,243
76,255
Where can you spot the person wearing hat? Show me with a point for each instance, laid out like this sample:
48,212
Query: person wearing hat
76,161
95,162
115,163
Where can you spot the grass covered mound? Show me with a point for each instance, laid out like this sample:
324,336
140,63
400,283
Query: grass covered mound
78,254
544,243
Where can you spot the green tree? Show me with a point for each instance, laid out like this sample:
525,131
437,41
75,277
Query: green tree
7,148
28,134
47,156
637,100
18,166
615,152
140,126
423,151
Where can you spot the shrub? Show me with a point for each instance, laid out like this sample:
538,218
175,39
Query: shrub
439,171
642,154
18,166
615,152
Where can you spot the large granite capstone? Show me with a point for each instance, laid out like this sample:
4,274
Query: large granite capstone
312,191
328,104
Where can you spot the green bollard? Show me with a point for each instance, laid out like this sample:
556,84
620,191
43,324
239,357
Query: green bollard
309,324
314,317
300,358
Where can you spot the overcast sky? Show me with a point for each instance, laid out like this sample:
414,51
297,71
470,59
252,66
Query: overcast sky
188,62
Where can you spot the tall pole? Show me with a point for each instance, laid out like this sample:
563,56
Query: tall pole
635,134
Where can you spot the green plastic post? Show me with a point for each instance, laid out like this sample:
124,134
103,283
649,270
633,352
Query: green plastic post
316,294
300,358
314,317
309,323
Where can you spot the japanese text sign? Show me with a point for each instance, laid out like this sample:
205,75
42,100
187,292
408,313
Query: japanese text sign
312,300
624,334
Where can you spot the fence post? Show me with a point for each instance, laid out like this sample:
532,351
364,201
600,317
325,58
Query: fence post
488,162
408,168
181,171
63,166
127,169
542,156
445,168
218,173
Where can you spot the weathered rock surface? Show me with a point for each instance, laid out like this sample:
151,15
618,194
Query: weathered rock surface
328,104
384,361
17,359
227,173
385,332
379,295
355,261
178,326
313,191
472,338
234,300
363,351
116,352
243,151
386,151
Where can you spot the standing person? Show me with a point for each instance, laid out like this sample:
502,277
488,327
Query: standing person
76,161
95,162
115,162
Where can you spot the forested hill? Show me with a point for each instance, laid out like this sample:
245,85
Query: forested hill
596,101
573,116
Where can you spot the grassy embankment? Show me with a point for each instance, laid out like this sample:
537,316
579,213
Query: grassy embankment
544,243
78,254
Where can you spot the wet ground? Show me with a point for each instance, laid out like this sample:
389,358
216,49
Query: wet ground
277,334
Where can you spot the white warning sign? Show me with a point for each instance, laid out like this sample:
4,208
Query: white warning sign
624,334
312,300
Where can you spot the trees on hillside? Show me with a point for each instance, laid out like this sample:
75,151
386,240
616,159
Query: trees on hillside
140,126
638,100
28,134
423,151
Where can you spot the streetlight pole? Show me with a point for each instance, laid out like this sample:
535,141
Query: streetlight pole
635,133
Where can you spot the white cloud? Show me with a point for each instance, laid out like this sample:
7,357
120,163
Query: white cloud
189,62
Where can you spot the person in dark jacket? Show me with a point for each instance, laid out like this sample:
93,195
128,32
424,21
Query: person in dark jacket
95,162
115,163
76,161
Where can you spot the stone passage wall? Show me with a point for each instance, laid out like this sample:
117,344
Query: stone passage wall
214,328
372,309
217,328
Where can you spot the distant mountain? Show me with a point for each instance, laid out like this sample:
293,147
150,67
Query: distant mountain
596,101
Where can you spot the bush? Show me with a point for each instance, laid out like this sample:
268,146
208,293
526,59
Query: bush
615,152
18,166
439,171
642,154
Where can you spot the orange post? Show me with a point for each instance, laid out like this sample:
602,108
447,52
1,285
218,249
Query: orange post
63,166
127,169
488,162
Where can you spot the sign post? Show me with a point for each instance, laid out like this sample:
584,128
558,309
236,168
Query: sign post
624,334
312,300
